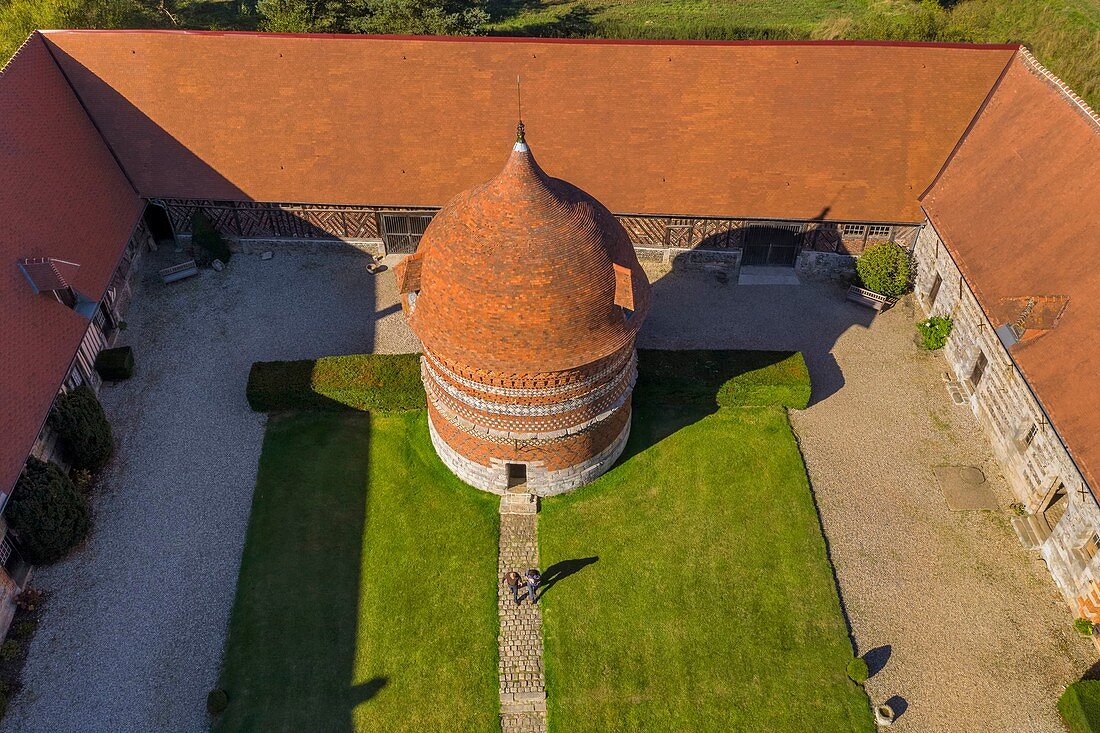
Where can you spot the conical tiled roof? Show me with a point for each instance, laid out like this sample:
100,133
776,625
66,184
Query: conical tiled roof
518,276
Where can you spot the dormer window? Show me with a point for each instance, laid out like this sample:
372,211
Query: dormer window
624,290
46,279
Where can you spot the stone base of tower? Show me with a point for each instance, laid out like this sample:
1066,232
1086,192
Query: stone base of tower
541,480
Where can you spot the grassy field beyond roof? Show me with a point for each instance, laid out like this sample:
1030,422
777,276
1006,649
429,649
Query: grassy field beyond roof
698,595
367,594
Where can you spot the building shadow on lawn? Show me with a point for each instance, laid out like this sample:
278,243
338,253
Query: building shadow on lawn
291,652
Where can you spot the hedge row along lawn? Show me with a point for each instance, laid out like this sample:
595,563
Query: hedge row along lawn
392,381
367,592
1080,706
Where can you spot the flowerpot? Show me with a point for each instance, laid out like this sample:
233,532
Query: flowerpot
884,714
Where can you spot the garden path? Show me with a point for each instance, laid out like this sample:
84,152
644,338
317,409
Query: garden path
522,684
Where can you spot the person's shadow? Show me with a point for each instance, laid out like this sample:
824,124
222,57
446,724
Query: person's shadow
560,571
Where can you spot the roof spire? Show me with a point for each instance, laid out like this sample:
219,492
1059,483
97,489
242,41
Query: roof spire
521,142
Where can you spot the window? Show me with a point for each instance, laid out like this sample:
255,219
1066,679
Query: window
934,291
978,371
1031,433
1089,549
853,230
879,231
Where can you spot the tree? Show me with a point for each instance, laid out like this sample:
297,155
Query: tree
86,437
294,16
416,17
47,512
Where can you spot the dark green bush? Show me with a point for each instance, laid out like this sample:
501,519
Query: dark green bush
206,243
358,381
217,701
47,512
885,268
725,378
1080,706
115,364
10,650
934,332
85,434
857,670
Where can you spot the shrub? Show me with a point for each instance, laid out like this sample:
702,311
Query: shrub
857,670
115,364
47,512
206,243
82,425
725,378
29,599
82,479
10,650
1084,626
885,269
358,382
217,701
934,332
1080,706
25,629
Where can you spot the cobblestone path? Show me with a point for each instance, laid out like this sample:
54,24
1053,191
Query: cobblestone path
522,686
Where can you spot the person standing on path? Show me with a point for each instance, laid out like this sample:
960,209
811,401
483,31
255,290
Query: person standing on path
533,577
512,579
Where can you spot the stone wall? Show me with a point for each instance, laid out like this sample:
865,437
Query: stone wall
824,266
1030,452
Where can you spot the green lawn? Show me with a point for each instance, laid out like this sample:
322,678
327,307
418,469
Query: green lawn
712,605
367,592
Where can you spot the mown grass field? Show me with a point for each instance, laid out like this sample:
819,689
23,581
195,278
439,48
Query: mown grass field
701,597
367,591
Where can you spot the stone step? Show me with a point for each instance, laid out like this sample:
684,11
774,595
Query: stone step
1032,530
519,504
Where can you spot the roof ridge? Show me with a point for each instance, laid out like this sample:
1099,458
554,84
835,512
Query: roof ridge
23,45
1038,69
548,40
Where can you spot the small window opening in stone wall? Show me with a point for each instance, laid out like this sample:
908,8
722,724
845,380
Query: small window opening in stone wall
934,290
1088,550
978,371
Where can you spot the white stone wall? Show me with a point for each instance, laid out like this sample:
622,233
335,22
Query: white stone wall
541,482
1007,409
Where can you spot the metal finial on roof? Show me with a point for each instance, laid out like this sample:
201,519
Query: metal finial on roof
519,108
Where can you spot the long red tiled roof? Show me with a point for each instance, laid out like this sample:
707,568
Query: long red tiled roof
1018,207
839,130
63,197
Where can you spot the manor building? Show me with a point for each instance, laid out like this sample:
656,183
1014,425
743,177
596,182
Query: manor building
724,154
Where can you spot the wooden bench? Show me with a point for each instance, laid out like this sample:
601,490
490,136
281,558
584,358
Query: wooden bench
869,298
179,272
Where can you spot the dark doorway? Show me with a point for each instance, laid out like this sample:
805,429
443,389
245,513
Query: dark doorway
401,231
160,226
1055,507
771,244
517,475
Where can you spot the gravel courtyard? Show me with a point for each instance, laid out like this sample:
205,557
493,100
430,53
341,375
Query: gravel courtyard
974,634
132,639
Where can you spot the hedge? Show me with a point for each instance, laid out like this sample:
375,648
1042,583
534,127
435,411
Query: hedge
885,268
80,422
358,382
207,244
1080,706
726,378
392,381
47,512
115,364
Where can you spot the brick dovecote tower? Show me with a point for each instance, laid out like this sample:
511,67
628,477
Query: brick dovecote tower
527,296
